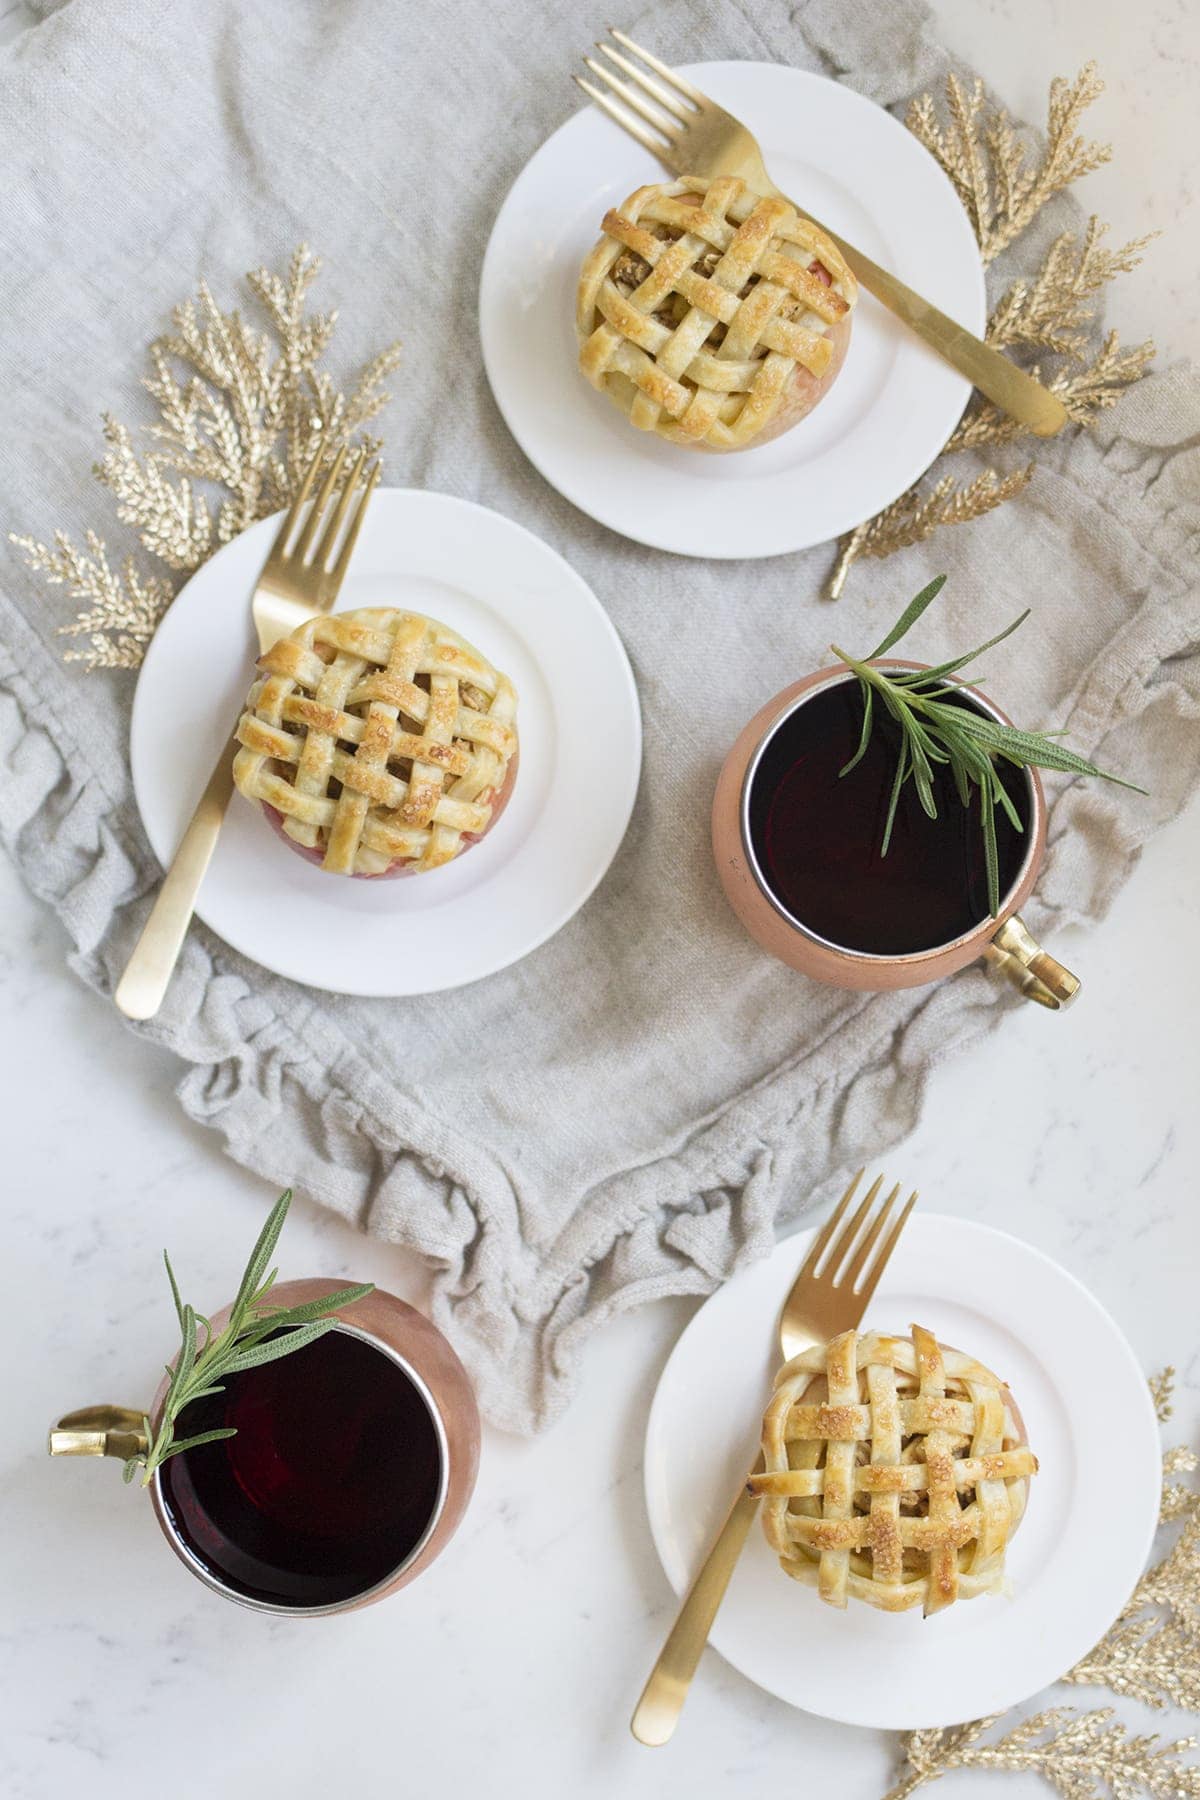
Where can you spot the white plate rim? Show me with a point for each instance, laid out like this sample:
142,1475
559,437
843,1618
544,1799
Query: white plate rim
625,693
940,424
788,1253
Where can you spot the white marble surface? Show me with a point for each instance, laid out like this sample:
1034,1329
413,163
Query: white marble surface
513,1664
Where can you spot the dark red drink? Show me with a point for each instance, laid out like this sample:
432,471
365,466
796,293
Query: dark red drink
817,836
333,1478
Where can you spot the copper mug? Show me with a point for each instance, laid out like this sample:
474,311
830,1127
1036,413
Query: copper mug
434,1372
1004,941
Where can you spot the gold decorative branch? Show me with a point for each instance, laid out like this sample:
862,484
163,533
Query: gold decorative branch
121,607
240,414
1151,1654
1050,311
1084,1756
172,520
1004,185
916,516
1085,391
1162,1392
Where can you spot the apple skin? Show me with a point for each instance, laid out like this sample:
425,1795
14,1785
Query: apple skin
804,391
398,870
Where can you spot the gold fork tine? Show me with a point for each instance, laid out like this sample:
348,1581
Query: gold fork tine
653,115
304,541
355,526
830,1226
329,536
847,1236
292,515
660,68
619,116
862,1254
885,1251
663,95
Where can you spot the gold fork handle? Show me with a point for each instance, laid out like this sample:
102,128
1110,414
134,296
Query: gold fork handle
143,986
1006,386
657,1712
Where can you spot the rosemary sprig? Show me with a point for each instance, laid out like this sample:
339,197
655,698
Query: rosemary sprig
936,732
247,1340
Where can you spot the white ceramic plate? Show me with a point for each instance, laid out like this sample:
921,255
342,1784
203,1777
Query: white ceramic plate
890,410
1080,1549
535,618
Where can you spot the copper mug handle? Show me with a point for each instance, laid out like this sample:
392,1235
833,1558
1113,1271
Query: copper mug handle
1016,954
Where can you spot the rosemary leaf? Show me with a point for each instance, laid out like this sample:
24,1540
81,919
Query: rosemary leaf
868,694
909,616
934,751
940,670
316,1309
1037,748
962,779
201,1437
938,729
922,776
184,1361
991,855
274,1348
255,1334
264,1249
1004,797
174,1290
897,784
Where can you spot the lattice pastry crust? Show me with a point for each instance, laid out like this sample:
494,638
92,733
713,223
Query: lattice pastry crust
381,741
713,315
895,1472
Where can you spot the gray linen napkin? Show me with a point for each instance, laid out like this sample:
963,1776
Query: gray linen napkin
656,1096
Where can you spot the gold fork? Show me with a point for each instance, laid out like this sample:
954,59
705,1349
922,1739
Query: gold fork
692,135
292,587
825,1298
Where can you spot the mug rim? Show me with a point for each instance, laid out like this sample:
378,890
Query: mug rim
835,678
214,1581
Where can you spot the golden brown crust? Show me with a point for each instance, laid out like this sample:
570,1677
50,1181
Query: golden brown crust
895,1471
701,312
381,740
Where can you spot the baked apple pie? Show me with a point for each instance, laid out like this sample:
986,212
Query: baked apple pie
895,1471
713,315
378,742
